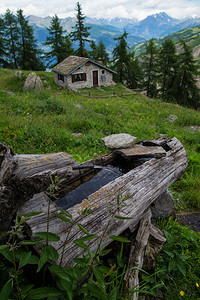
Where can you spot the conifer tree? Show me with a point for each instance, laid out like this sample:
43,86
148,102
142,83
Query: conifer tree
80,33
184,89
134,73
29,55
2,44
94,51
11,38
121,58
150,66
167,68
61,46
101,52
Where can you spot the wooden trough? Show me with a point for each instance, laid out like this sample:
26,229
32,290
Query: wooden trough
25,178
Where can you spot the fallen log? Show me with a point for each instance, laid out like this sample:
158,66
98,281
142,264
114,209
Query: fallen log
140,187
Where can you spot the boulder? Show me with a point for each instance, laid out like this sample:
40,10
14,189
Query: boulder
163,206
33,82
119,141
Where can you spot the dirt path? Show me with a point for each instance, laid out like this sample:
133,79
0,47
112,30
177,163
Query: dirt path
190,219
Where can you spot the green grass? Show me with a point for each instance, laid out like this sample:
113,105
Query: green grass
44,122
177,265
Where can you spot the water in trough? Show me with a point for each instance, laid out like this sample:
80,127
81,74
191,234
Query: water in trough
104,176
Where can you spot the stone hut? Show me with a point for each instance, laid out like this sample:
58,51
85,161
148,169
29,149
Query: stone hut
80,72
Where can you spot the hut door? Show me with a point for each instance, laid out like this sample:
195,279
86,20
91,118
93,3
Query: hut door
95,78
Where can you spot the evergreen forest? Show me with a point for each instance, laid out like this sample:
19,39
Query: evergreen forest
163,72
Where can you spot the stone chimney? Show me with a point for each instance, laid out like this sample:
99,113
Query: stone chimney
100,61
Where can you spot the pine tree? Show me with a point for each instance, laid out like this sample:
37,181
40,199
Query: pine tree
150,68
93,53
167,68
184,89
80,33
134,73
101,52
61,46
121,58
29,55
11,38
2,44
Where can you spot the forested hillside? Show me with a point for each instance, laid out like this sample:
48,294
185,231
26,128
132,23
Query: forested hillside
190,35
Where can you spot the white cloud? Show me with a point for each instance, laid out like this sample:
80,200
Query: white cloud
138,9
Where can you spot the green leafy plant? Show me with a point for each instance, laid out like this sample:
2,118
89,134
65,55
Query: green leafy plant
177,265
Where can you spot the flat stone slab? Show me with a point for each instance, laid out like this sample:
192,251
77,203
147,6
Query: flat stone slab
140,151
119,141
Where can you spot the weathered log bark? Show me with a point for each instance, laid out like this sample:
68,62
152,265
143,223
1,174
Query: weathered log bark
142,185
136,256
144,248
22,176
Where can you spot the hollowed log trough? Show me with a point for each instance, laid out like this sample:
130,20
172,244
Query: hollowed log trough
25,178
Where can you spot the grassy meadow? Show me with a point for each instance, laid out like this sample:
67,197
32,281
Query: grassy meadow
45,121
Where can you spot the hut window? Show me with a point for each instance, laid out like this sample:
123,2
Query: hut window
79,77
103,76
61,77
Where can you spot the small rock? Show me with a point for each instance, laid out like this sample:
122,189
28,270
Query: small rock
172,118
119,141
45,83
78,106
193,128
10,93
33,82
18,74
79,134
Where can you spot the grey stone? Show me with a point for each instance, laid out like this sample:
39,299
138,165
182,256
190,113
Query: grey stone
193,128
33,82
172,118
78,134
78,106
10,93
119,141
163,206
18,74
141,151
45,83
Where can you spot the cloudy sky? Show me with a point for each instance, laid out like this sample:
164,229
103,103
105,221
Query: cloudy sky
138,9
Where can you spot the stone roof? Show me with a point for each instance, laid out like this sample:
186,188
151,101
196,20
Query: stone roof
71,63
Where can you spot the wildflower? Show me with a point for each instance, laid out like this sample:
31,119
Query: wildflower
197,284
182,293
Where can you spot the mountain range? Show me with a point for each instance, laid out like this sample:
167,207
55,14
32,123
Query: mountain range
153,26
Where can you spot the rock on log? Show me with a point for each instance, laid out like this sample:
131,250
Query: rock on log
141,186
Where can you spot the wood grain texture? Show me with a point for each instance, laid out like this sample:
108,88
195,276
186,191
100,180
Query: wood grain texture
142,185
136,256
23,175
